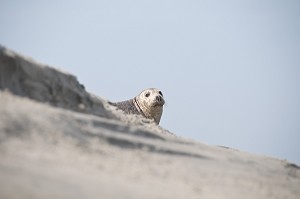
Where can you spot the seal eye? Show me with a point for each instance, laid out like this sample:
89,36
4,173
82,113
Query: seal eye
160,93
147,94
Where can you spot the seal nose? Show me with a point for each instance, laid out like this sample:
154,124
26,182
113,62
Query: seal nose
158,98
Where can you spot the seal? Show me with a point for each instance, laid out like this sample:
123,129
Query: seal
149,103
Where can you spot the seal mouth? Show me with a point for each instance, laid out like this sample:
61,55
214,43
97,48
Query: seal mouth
158,103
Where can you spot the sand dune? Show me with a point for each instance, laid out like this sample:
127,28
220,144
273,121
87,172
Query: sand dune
59,141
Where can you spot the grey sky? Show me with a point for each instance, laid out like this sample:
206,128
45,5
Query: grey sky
229,70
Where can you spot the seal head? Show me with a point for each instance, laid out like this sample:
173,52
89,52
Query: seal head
150,102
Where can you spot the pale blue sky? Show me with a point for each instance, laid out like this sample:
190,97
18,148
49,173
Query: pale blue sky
229,70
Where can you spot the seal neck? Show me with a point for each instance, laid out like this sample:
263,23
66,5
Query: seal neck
138,107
